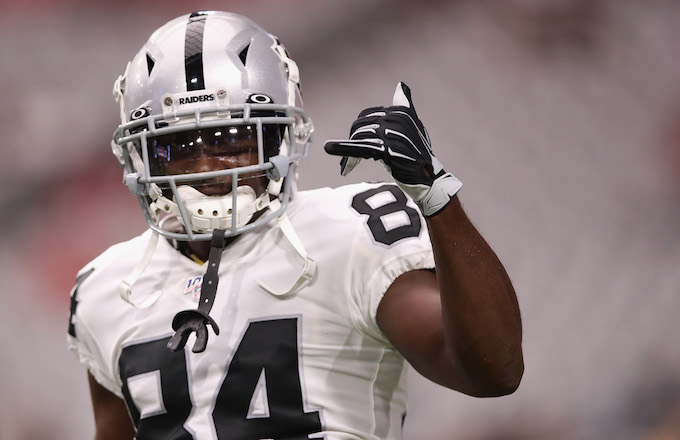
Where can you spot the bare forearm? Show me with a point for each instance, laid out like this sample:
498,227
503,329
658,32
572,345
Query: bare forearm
480,313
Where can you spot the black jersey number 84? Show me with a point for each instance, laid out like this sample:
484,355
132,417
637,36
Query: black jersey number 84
269,346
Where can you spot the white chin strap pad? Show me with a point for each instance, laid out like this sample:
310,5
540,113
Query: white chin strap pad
206,213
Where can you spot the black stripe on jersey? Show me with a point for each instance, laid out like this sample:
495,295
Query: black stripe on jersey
193,51
74,301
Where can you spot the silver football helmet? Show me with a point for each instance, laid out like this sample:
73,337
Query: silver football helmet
212,126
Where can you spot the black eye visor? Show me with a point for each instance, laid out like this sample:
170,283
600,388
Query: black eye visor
166,151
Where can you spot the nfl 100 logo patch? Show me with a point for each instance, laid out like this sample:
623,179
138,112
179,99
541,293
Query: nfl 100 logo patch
193,287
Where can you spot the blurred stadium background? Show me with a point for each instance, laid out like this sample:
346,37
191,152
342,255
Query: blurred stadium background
561,117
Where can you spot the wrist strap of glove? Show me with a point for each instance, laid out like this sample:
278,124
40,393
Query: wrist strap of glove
443,188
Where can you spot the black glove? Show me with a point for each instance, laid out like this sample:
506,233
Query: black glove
396,137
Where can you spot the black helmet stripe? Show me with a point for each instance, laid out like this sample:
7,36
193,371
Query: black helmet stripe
193,51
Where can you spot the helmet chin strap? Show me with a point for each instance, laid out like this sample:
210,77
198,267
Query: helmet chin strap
125,288
309,267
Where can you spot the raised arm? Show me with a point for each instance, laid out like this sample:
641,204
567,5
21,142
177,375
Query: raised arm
461,327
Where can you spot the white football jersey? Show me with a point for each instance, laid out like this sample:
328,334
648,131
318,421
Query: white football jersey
310,365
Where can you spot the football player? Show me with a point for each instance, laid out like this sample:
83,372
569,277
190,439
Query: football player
250,310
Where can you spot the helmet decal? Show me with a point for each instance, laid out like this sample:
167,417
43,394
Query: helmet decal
193,51
139,113
150,62
243,55
259,98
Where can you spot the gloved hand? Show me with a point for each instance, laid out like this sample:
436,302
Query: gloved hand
396,137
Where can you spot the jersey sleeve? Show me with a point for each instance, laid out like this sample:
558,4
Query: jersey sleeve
390,240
